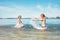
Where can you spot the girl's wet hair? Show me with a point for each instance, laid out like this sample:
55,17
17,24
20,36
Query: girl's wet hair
43,15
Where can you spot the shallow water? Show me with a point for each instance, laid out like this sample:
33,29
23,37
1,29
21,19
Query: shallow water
27,32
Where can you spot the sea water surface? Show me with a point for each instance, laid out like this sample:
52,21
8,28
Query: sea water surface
28,32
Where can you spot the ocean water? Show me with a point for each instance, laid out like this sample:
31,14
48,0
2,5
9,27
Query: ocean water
28,32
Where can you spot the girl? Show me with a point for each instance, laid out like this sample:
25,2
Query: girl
43,20
36,22
19,23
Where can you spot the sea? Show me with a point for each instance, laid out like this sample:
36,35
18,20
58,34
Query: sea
28,32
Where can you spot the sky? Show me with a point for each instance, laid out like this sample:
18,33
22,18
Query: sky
29,8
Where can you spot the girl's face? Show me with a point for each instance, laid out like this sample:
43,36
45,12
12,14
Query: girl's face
19,17
42,15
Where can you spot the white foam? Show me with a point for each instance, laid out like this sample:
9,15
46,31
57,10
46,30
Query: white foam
18,25
37,26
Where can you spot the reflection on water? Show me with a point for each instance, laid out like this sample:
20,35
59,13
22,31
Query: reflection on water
22,34
43,35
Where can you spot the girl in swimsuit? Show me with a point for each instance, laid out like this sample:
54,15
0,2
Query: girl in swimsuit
43,20
19,23
36,22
